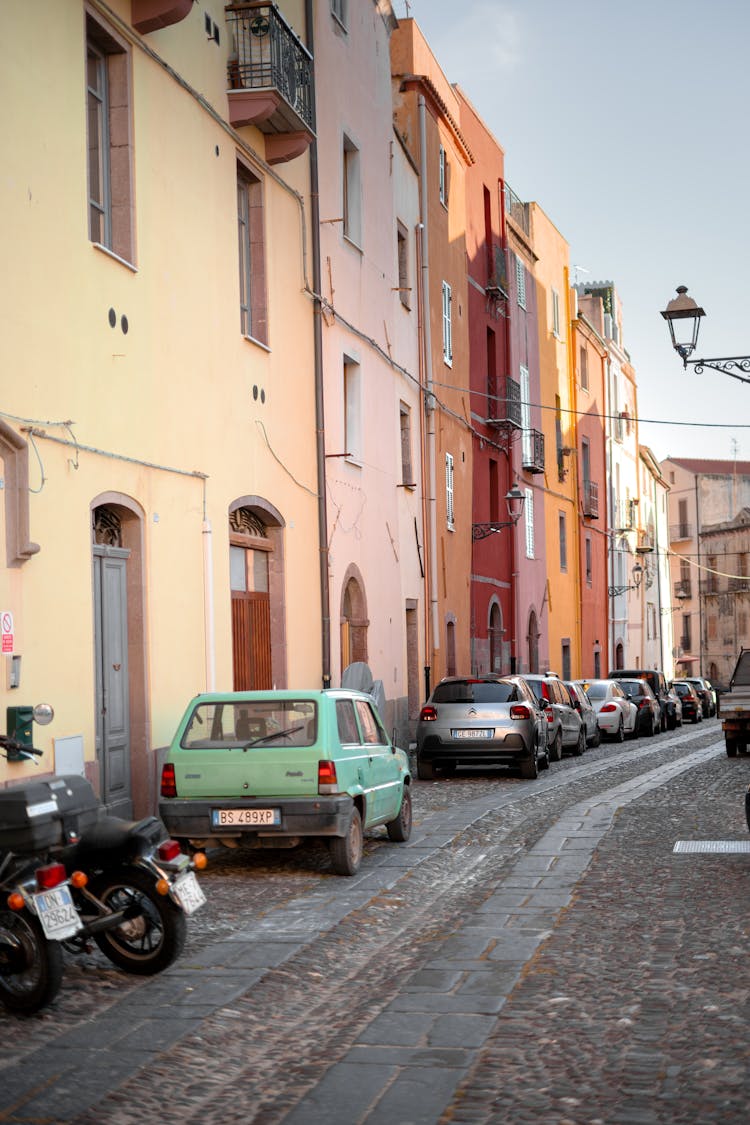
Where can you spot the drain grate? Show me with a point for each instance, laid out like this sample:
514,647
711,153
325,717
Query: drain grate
723,847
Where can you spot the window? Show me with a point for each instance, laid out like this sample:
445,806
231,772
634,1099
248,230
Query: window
583,372
712,628
563,530
683,530
402,249
589,572
338,11
561,470
346,723
373,733
443,178
555,313
494,492
566,667
585,461
521,282
352,410
351,189
528,509
449,490
447,325
407,476
686,640
252,258
110,147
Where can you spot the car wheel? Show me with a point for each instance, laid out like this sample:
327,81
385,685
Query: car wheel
346,851
425,770
655,727
619,736
399,830
555,750
530,767
544,761
580,745
597,739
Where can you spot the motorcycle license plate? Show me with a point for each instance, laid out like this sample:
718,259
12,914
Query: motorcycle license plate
57,913
189,893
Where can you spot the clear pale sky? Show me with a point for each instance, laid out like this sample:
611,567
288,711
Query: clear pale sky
628,124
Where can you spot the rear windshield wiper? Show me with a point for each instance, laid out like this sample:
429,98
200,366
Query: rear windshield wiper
276,734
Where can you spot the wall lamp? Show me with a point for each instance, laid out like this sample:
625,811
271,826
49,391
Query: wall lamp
615,591
684,319
515,501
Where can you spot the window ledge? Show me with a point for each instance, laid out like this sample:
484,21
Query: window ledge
355,462
111,254
409,487
258,343
354,245
451,526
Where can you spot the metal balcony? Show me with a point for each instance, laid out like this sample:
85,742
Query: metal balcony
270,74
623,517
679,531
503,401
532,453
683,589
739,585
517,210
591,499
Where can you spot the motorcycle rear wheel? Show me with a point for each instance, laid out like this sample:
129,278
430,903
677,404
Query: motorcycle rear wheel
143,945
38,980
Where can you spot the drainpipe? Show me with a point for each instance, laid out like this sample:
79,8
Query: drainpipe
513,544
325,611
208,599
700,598
430,398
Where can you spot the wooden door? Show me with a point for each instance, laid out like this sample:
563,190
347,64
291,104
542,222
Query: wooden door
251,641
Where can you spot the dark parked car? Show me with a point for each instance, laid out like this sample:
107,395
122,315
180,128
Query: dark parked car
706,694
481,721
649,711
692,708
658,684
564,725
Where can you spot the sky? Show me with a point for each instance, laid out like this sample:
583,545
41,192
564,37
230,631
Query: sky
628,124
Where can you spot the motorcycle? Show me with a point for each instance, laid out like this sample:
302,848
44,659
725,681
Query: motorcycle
70,874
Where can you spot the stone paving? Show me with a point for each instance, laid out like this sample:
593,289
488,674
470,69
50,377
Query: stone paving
507,964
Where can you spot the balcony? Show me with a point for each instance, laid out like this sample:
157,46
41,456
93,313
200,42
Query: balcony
153,15
532,453
709,585
683,589
591,500
517,210
739,585
270,76
623,517
504,401
679,531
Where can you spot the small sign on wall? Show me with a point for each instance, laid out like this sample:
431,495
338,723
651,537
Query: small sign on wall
7,640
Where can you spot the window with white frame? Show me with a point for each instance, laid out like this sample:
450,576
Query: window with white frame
521,282
443,181
352,410
407,475
402,250
528,511
352,196
563,529
338,11
449,491
584,367
555,313
251,249
447,325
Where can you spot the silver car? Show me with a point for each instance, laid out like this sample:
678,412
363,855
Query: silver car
481,721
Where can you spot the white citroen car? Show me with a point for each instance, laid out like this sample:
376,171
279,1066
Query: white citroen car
616,715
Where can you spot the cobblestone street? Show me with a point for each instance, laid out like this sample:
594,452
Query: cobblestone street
537,952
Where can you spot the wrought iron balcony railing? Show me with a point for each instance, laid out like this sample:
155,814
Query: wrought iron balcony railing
504,401
532,451
623,517
267,56
517,210
680,531
683,588
591,499
739,585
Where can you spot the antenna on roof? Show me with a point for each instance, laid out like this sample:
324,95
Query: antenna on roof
577,270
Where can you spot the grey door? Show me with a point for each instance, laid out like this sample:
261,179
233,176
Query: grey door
112,696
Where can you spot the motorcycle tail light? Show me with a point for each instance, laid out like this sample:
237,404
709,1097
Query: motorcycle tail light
79,879
168,781
200,860
162,886
50,876
327,780
428,715
519,711
169,850
16,901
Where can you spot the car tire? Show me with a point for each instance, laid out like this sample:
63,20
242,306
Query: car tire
530,767
346,851
580,745
399,830
555,750
597,739
655,727
425,770
619,736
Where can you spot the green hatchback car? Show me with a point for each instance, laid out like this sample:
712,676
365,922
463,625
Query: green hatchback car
273,767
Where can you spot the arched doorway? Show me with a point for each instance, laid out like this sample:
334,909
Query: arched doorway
495,633
532,642
619,656
256,582
354,621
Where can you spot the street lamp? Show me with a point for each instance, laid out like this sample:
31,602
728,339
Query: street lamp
684,318
515,501
637,572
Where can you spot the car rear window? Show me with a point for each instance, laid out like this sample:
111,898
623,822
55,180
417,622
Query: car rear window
475,691
596,691
259,722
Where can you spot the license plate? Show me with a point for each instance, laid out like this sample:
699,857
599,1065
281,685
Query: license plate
244,818
188,892
57,913
474,732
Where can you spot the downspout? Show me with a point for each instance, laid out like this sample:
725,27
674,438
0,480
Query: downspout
430,398
575,488
325,610
208,599
700,599
513,545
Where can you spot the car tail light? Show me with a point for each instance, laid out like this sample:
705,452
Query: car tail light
609,707
643,703
168,781
520,711
545,691
428,714
327,780
50,876
168,851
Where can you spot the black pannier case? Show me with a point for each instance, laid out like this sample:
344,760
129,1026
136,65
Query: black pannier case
36,815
